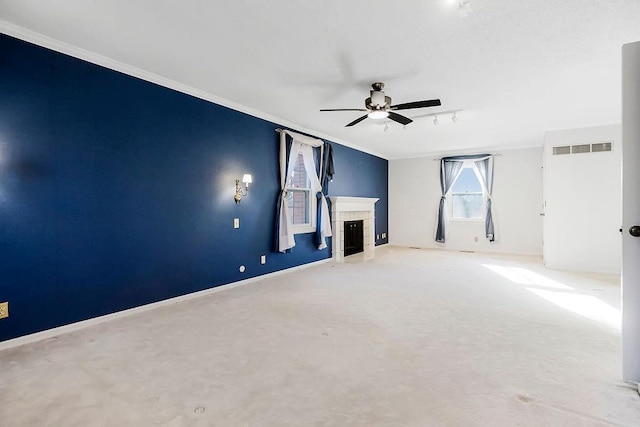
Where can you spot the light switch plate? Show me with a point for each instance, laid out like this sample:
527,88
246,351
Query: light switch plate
236,222
263,259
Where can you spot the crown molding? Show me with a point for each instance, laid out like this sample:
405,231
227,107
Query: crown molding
112,64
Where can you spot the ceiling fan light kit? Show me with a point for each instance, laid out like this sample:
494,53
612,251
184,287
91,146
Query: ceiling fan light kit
378,114
378,106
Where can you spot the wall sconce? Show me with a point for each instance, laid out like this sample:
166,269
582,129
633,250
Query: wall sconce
246,179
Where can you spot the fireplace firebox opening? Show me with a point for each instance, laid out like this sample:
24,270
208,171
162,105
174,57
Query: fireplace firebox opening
353,237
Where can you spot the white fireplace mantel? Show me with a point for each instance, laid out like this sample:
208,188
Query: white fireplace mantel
352,209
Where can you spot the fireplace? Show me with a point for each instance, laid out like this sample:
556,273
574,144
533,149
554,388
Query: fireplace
353,237
345,210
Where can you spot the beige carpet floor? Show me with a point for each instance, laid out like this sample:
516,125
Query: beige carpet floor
410,338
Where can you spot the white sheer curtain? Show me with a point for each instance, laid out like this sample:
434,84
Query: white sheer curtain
450,168
286,239
324,224
304,145
485,168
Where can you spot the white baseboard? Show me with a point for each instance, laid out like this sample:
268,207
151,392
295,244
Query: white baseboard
54,332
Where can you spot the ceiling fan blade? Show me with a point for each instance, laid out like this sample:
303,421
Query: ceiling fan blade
345,109
358,120
417,104
398,118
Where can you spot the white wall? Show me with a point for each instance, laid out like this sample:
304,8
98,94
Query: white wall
583,202
414,193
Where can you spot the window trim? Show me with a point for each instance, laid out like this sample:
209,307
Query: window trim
468,164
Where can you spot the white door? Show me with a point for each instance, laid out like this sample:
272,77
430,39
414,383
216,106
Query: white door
631,212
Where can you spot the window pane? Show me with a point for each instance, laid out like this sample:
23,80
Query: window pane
298,205
299,178
299,195
467,206
467,182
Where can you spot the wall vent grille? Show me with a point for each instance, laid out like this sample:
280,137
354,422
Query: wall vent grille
597,147
582,148
565,149
602,146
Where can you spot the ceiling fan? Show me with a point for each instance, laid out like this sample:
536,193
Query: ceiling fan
378,106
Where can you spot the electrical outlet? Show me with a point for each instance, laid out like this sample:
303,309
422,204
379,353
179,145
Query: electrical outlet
475,239
4,310
236,222
377,237
263,259
384,235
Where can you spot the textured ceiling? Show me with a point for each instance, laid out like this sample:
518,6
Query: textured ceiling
515,68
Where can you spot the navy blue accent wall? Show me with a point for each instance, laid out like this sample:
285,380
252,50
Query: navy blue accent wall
116,192
360,174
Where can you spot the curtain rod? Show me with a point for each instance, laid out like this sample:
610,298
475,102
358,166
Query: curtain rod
488,155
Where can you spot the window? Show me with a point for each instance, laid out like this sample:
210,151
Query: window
301,199
467,195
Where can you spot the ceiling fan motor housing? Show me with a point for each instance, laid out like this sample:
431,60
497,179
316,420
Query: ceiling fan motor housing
377,101
378,106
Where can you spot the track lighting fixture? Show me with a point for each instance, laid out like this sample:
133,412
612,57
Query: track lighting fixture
436,120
